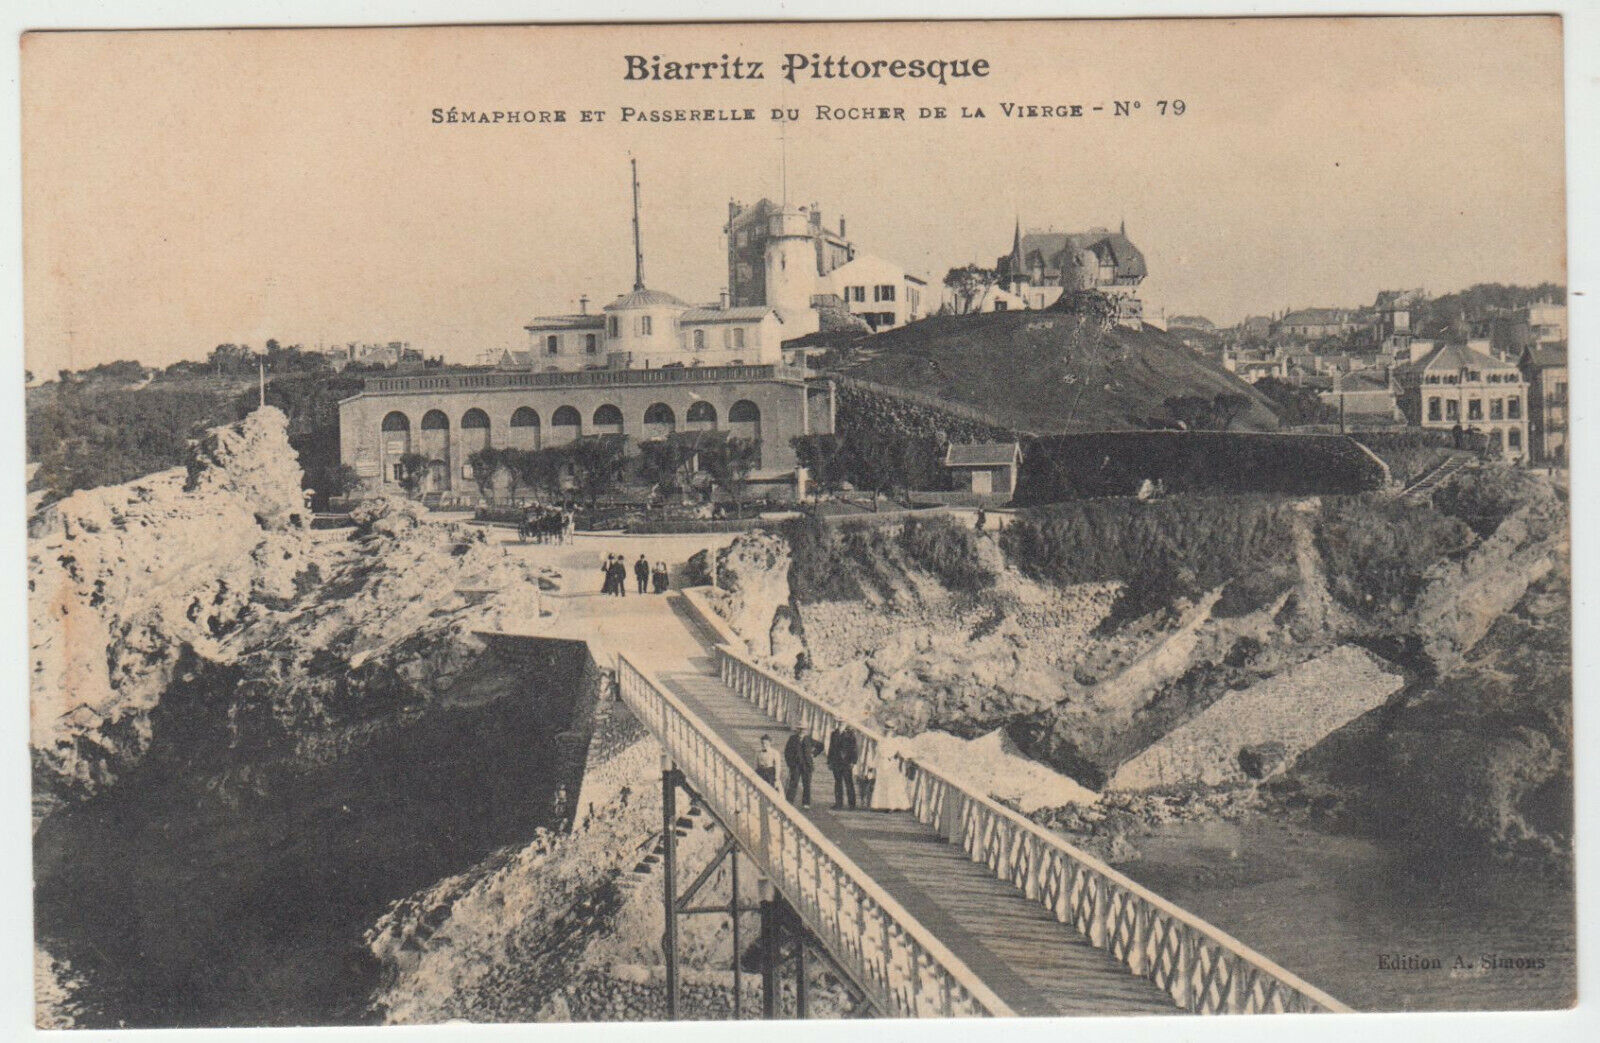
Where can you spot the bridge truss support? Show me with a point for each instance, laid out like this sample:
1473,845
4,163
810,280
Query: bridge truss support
781,925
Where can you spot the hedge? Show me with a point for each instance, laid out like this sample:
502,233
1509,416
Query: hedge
1116,463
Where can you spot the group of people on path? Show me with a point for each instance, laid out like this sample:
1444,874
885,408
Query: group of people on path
614,571
875,783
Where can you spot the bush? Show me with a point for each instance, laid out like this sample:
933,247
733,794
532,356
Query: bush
816,551
1160,551
1483,498
947,549
1376,550
1064,467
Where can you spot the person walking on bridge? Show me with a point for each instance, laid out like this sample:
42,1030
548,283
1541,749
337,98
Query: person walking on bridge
798,754
641,573
767,762
842,752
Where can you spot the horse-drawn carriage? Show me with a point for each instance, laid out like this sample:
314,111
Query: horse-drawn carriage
544,524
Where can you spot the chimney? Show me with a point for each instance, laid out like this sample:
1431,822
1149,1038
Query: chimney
583,305
841,226
724,299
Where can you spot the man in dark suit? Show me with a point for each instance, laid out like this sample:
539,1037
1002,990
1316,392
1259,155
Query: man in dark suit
641,573
798,753
842,752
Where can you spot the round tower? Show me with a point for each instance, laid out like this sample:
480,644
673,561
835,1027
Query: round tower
791,263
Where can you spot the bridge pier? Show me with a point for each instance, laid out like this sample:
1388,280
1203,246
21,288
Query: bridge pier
780,922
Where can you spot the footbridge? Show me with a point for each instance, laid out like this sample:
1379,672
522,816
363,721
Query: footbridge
956,906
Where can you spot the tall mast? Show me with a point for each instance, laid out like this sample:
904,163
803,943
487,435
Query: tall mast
638,250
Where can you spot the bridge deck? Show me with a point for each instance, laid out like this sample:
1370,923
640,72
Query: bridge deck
1037,965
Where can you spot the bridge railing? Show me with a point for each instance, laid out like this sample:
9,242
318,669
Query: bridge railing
881,945
1202,968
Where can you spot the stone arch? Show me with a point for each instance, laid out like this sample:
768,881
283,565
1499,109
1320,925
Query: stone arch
744,421
474,431
702,416
436,447
524,429
608,420
659,421
566,424
394,442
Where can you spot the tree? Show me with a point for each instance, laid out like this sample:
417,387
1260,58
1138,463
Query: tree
1228,406
1194,412
823,458
513,462
659,463
597,461
545,468
1295,405
874,462
485,464
730,465
966,285
413,469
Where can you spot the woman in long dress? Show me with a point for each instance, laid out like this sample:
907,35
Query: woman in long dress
889,789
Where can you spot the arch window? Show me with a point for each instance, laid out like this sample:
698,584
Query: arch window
524,429
436,447
659,421
744,421
395,442
608,420
702,416
699,340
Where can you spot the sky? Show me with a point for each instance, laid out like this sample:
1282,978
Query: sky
193,188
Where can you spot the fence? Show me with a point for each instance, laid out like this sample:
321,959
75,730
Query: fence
1203,969
883,947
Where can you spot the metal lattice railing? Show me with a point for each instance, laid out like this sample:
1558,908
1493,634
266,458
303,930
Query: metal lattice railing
1202,968
882,946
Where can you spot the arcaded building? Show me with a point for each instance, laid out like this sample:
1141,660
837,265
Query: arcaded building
646,366
447,416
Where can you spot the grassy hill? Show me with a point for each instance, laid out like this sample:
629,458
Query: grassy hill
1047,371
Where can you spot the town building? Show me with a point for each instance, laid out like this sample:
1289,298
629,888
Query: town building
1547,321
995,297
1317,323
986,468
1044,265
646,366
1454,387
1366,393
784,258
1544,367
880,293
1190,322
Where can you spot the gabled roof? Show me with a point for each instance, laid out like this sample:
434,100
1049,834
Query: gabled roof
1315,317
982,454
1545,356
590,320
1054,251
1452,357
749,313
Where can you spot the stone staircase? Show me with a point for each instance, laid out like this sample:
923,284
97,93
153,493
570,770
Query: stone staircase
652,849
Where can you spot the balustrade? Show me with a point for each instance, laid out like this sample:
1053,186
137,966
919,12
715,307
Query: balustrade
1202,968
888,952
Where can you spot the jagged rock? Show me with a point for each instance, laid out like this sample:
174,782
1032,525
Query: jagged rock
1260,760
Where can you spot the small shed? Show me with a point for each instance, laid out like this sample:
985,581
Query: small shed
987,468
